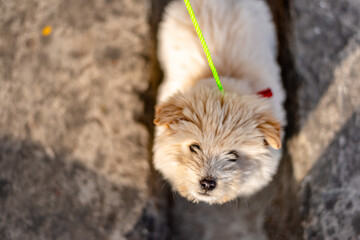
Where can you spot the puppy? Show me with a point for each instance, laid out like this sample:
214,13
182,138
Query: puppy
210,146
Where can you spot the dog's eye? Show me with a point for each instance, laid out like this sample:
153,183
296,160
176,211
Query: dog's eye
233,156
194,147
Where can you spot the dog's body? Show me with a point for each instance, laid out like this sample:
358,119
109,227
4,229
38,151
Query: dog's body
214,147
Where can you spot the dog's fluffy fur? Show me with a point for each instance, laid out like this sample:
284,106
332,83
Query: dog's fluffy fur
241,38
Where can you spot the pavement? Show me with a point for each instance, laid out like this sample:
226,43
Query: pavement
76,109
325,151
74,154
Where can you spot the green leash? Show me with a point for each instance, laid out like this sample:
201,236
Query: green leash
203,43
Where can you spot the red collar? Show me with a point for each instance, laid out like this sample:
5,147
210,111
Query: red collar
267,93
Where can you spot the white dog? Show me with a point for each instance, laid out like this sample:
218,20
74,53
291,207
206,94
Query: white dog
210,146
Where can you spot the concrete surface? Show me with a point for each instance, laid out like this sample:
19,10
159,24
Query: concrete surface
326,151
76,129
74,158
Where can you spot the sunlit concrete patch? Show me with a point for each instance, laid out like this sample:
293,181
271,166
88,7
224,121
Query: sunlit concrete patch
74,93
331,192
325,153
335,107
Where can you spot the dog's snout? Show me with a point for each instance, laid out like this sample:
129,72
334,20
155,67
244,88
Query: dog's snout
208,184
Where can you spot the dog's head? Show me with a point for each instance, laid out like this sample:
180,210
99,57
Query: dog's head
214,147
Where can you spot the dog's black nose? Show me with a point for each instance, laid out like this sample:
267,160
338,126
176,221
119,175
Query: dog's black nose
208,184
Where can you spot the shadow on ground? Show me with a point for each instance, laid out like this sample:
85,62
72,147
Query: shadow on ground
75,157
51,195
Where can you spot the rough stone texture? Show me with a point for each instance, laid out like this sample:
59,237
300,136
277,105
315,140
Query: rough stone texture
76,127
331,198
325,49
73,157
326,153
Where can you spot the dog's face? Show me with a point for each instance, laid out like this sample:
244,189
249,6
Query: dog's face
214,147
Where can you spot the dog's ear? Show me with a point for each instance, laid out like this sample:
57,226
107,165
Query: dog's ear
169,112
270,127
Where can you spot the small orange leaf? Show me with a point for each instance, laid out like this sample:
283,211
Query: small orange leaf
46,31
